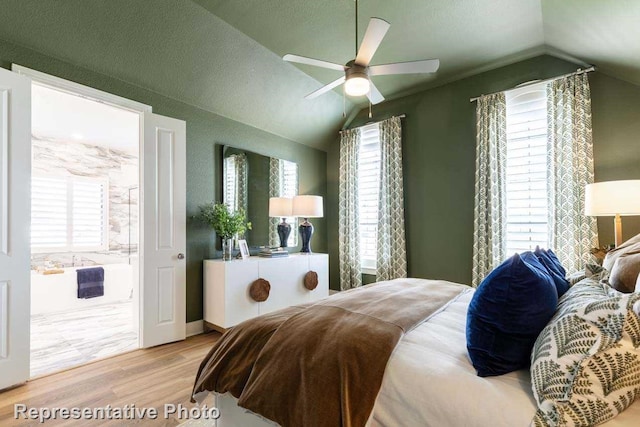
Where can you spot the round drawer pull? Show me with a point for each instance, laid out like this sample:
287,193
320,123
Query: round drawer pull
259,290
311,280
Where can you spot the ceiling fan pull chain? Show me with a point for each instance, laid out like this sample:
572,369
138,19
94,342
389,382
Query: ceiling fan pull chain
344,104
370,115
356,28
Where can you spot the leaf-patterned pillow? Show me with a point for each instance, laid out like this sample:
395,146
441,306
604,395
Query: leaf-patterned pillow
585,365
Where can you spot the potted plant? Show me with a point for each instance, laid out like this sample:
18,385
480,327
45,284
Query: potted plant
226,223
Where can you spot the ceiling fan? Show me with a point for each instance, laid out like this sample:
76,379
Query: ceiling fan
358,71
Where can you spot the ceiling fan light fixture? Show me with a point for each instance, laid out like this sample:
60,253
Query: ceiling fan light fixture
356,86
357,71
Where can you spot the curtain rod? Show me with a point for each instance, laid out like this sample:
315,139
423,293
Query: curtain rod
400,116
578,71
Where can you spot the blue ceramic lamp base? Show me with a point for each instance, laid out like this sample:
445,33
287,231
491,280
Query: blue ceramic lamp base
306,230
284,229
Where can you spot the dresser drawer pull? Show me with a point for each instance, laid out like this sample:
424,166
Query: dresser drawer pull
259,290
311,280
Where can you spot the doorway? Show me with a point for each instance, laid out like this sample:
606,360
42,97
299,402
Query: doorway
84,229
159,301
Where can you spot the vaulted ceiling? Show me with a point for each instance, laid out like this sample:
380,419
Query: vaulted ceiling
224,56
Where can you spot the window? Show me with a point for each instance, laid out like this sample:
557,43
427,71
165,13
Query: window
526,174
68,214
288,179
289,188
368,190
230,183
235,169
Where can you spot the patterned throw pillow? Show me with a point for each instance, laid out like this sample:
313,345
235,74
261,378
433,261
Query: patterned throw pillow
585,365
596,272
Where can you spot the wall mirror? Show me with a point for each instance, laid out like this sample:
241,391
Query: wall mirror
248,181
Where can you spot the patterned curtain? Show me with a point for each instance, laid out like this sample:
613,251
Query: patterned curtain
391,257
242,189
490,213
570,169
274,191
349,235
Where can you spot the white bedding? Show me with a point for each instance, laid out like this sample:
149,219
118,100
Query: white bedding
430,382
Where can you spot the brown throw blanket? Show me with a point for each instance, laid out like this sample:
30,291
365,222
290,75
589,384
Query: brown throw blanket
321,364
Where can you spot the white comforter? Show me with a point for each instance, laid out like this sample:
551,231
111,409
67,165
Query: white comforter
430,382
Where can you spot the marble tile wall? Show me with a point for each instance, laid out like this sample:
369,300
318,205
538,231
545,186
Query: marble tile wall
56,158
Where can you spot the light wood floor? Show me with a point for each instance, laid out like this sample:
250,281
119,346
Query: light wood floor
147,378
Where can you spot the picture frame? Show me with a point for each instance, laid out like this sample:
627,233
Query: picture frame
244,248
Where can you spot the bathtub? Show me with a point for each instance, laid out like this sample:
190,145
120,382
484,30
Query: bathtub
59,292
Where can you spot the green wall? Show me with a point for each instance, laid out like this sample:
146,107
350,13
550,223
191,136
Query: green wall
616,141
204,131
439,161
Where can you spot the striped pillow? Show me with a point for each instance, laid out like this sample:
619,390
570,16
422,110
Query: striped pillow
585,365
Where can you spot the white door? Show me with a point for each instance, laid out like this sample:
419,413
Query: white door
163,293
15,211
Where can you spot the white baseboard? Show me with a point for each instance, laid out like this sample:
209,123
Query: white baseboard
195,328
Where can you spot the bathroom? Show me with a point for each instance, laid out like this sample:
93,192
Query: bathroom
84,223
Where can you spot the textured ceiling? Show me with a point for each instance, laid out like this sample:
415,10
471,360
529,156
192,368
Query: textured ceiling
178,49
463,34
225,55
601,32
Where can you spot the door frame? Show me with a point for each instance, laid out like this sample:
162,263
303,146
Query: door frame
97,95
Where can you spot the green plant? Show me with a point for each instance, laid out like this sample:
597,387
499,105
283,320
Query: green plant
225,223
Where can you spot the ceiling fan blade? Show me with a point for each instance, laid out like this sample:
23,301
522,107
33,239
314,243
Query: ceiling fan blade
372,38
413,67
326,88
374,94
315,62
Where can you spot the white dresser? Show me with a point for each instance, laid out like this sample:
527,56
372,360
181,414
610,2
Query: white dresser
226,286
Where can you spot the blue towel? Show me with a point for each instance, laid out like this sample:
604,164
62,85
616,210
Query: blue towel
90,282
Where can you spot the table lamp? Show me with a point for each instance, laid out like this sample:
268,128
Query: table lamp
307,207
281,207
613,198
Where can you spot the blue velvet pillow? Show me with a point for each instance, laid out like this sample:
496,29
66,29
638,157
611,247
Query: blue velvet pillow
555,269
507,312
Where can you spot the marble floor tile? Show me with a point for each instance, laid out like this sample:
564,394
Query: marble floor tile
63,340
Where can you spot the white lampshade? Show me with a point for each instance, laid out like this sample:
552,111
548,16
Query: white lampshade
280,206
613,198
308,206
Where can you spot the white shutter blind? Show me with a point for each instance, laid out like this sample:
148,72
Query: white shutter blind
89,220
68,214
49,225
527,169
368,191
288,179
230,183
289,188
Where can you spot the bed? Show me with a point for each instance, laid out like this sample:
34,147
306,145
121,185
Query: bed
429,381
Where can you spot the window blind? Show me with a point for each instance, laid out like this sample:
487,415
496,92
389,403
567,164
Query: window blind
88,214
230,182
526,174
49,217
68,214
368,192
289,188
288,178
